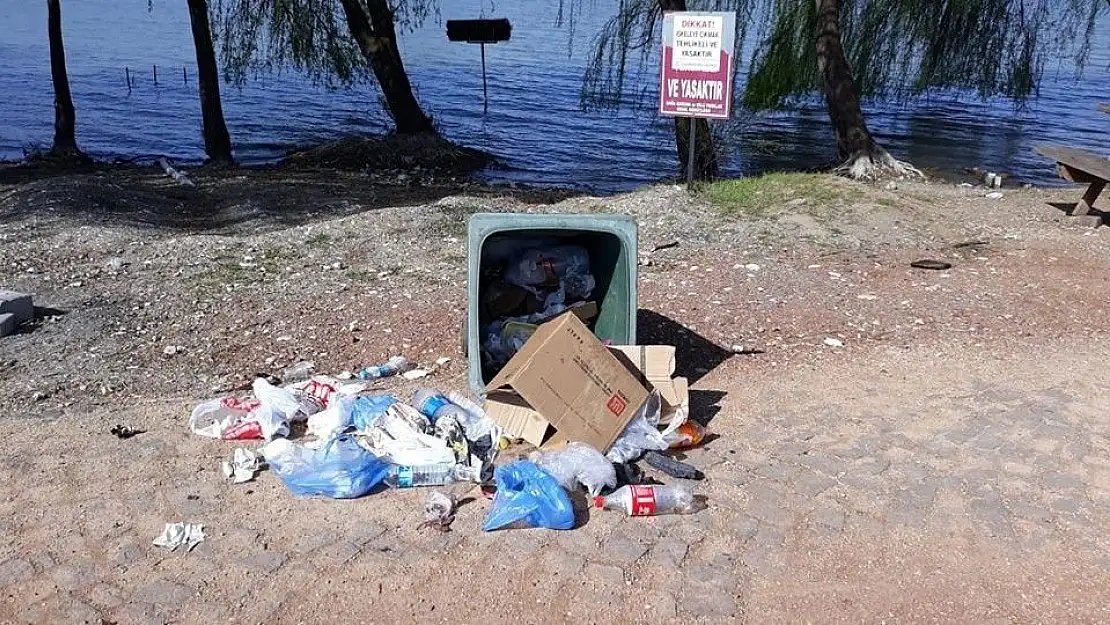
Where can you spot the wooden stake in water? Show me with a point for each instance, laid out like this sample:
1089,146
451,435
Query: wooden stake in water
184,76
155,75
485,90
127,74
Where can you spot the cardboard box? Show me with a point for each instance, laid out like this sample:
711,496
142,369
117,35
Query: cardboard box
655,364
564,385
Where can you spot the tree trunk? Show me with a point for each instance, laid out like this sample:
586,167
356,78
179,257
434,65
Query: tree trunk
65,118
372,27
841,95
217,141
705,153
861,157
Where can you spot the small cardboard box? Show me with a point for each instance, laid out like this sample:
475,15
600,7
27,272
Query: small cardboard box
564,385
654,364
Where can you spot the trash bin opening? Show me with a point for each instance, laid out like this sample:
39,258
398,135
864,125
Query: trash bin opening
527,276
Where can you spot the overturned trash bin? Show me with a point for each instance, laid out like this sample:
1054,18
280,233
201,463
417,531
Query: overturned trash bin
526,269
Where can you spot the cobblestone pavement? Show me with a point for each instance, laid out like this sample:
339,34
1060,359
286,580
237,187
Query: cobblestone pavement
897,486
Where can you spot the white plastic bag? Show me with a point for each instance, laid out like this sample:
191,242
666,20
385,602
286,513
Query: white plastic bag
331,421
578,463
641,434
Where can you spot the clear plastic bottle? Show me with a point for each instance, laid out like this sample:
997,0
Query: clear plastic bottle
649,500
432,404
475,423
393,366
401,476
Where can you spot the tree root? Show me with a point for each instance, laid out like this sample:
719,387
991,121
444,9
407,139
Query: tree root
876,164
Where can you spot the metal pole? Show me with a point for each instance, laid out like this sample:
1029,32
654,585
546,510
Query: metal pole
485,90
690,161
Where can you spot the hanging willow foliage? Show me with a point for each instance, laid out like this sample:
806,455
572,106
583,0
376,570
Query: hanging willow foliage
897,48
311,35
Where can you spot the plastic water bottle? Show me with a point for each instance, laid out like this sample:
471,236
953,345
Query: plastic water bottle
401,476
393,366
432,404
475,423
651,500
689,434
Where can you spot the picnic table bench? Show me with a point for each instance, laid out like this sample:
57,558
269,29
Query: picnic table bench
1083,167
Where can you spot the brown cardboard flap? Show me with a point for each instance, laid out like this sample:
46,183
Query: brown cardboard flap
511,412
567,377
656,364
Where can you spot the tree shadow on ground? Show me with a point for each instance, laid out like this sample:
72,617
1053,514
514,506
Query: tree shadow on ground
695,355
231,200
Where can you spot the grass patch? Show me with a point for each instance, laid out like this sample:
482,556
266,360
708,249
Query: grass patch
355,274
756,196
318,239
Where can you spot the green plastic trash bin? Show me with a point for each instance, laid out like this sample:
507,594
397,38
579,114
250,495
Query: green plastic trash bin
610,241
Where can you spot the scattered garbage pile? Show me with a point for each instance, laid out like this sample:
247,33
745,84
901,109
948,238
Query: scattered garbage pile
525,283
590,422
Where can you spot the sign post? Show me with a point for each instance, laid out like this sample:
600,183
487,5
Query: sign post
695,79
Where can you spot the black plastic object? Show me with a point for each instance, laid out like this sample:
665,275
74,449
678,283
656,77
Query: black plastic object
935,265
479,31
672,467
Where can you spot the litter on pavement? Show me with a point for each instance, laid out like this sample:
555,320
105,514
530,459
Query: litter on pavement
589,424
177,535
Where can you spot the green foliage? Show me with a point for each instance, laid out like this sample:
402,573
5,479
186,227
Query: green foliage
897,48
258,36
902,48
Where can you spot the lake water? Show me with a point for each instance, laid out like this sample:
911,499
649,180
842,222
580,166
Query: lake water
534,122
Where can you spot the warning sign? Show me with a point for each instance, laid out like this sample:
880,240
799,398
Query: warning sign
696,76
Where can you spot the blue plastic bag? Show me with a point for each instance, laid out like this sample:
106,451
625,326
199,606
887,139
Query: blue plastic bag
528,494
342,469
368,408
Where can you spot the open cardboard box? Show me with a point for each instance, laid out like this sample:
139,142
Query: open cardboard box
564,385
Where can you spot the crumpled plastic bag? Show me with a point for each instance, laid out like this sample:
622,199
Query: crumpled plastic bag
333,420
341,469
578,463
243,466
368,410
266,416
642,433
528,496
176,535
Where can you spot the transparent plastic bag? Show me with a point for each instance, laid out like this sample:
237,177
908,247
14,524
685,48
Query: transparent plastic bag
538,266
528,496
341,469
368,410
641,434
578,463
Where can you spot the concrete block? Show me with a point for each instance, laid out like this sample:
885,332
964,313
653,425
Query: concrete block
7,324
17,304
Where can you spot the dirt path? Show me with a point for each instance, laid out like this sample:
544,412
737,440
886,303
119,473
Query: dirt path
948,464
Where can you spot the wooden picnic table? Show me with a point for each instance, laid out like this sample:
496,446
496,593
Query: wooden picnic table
1080,166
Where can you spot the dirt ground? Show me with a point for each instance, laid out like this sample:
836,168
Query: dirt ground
894,445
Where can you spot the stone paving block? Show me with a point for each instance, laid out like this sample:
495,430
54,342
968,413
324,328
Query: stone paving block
7,324
264,562
18,304
622,550
669,553
810,484
746,527
15,570
163,593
